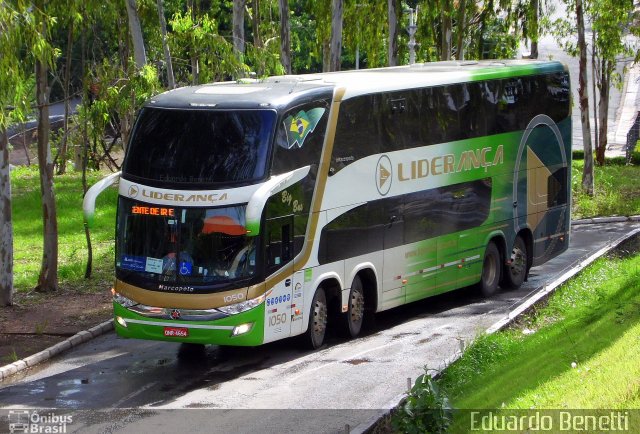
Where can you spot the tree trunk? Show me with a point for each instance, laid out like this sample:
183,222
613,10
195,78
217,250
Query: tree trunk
195,63
337,9
460,26
78,159
62,164
165,46
48,279
326,56
285,36
447,33
392,10
587,174
534,28
255,22
135,29
238,27
603,111
594,74
6,226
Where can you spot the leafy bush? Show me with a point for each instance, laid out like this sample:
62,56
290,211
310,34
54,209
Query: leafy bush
426,409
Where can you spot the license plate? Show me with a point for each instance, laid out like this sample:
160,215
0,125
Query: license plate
176,332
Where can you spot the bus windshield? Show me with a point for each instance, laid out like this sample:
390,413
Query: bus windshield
196,246
200,146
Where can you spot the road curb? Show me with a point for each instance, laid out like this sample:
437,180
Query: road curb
600,220
75,340
370,423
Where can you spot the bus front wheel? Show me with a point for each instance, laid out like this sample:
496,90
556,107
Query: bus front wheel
490,271
515,270
353,318
317,328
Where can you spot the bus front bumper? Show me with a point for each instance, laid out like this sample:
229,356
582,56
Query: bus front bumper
243,329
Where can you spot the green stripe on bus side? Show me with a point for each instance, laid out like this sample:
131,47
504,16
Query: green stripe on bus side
514,71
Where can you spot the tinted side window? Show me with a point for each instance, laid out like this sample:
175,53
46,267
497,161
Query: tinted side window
359,130
300,137
557,188
392,121
391,222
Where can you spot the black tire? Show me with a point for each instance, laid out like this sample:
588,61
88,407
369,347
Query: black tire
314,336
354,317
491,267
514,272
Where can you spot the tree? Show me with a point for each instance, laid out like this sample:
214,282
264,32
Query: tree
6,224
394,10
285,36
534,27
335,45
11,39
587,174
255,23
447,31
165,45
460,28
48,278
135,29
238,27
609,19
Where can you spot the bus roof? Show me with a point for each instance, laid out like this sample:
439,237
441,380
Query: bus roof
282,91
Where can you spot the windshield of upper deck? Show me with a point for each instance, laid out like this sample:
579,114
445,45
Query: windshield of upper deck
200,146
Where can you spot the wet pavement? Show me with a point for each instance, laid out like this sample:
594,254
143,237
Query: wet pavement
130,386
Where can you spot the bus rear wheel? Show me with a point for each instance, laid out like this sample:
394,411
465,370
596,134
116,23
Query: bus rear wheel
317,328
352,320
514,272
490,271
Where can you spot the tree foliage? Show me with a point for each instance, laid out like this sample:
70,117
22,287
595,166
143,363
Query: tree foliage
89,53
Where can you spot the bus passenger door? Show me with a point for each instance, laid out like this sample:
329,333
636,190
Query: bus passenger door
394,269
279,256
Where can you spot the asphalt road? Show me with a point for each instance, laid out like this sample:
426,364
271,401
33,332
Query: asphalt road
116,385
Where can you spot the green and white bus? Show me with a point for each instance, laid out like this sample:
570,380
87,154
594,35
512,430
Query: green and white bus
258,210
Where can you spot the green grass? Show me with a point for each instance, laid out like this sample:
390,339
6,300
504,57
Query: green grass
580,351
27,227
617,190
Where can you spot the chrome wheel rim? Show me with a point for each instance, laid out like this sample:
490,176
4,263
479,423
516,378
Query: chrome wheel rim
319,319
357,306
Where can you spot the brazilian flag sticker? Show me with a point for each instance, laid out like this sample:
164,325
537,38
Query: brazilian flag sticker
299,126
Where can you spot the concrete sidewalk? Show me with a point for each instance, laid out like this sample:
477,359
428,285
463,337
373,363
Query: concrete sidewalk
627,112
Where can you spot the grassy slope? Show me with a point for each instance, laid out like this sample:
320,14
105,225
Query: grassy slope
27,221
593,321
617,191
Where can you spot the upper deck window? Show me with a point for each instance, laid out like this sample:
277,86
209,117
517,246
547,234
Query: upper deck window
200,146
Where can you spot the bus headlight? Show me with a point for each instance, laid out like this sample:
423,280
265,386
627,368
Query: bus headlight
242,329
122,300
236,308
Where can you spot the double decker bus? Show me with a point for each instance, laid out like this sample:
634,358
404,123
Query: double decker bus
258,210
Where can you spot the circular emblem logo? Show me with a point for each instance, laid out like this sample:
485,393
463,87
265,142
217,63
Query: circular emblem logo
384,175
133,191
175,314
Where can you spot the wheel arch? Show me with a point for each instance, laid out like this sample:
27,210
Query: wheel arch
369,281
332,287
526,234
499,239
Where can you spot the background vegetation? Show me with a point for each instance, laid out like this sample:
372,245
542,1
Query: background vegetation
109,57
